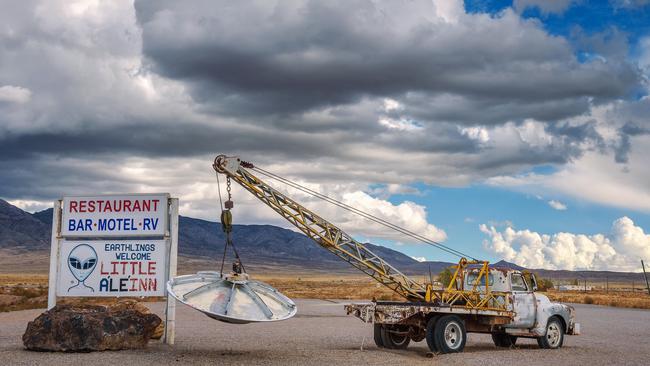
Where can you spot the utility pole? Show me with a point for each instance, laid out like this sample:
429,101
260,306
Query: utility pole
645,276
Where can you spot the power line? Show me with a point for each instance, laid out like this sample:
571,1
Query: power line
364,214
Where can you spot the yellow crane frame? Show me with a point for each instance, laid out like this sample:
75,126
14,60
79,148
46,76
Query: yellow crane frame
338,242
474,298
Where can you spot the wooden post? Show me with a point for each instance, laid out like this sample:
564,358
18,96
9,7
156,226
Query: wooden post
645,276
607,284
54,255
170,310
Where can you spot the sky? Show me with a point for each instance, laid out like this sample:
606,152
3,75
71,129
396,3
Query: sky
513,130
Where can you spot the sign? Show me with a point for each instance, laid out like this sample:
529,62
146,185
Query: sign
114,215
98,248
112,268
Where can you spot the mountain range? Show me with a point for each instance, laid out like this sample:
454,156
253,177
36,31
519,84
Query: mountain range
261,247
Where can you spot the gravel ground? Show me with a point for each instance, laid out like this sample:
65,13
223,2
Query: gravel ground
321,334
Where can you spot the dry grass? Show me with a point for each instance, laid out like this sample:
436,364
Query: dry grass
621,299
26,291
348,288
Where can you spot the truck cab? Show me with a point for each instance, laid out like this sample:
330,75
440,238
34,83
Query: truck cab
534,315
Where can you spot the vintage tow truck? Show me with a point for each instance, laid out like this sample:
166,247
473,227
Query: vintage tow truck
479,298
510,309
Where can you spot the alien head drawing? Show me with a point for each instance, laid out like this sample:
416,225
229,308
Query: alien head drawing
82,260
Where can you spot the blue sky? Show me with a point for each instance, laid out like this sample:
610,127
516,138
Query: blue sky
460,211
588,16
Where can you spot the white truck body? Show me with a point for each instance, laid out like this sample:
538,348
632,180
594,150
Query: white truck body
527,313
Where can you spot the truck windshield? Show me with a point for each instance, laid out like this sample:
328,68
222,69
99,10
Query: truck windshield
518,283
471,278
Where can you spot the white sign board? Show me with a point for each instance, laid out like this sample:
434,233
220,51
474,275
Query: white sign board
85,261
112,268
114,215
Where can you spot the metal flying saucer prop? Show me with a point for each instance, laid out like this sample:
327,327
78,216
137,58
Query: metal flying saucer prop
233,299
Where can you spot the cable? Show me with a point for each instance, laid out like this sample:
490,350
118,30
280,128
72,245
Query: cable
364,214
219,189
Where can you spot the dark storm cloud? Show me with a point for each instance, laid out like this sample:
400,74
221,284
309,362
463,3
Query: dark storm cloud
350,91
622,149
263,58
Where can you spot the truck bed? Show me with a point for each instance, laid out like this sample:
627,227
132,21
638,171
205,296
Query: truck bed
392,312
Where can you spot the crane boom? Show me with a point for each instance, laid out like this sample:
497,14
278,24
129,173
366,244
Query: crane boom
323,232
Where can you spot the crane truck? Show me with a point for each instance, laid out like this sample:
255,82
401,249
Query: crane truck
479,298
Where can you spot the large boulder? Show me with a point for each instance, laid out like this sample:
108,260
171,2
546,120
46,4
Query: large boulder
85,328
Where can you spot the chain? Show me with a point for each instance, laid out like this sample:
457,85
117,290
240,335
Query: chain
229,203
226,223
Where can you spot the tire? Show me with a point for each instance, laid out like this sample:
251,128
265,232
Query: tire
504,340
392,340
430,334
450,335
377,335
554,337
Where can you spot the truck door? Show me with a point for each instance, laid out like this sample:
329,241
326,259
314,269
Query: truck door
524,303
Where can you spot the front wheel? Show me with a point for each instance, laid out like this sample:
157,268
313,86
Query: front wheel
554,337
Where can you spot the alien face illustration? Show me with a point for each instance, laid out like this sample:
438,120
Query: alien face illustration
82,261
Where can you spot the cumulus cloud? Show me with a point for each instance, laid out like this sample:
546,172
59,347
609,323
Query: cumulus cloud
619,250
557,205
420,259
609,162
594,177
14,94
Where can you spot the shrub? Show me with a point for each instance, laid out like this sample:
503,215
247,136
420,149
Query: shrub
445,276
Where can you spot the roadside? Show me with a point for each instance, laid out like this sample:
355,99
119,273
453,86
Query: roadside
22,291
321,334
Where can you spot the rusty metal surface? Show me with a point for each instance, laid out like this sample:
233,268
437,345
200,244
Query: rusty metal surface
394,313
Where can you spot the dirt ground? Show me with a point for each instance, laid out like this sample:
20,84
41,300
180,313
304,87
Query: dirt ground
321,334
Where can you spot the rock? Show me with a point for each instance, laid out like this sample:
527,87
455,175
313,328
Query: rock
85,328
160,329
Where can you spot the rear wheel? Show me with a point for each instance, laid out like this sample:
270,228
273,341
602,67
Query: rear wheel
377,330
450,334
395,337
430,332
504,340
554,337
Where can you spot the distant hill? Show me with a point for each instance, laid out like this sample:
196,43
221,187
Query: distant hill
261,246
264,246
19,229
504,264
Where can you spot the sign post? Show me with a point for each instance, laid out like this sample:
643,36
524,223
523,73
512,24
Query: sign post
170,310
54,255
114,246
